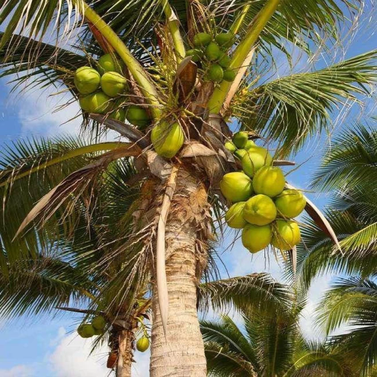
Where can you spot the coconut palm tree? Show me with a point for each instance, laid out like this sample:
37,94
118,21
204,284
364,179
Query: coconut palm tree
268,344
168,238
349,169
353,302
82,270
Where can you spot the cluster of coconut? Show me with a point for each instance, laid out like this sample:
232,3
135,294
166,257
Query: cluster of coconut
102,91
262,207
212,54
95,327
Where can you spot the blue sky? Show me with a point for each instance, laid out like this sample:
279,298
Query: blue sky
48,347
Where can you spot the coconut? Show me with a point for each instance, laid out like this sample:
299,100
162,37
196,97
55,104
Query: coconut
256,238
138,116
215,73
234,216
99,322
106,63
269,180
239,153
236,186
113,84
286,235
230,146
86,330
225,39
255,158
260,210
224,60
249,144
119,114
240,139
229,75
87,80
95,103
195,54
167,139
202,39
142,344
290,203
213,51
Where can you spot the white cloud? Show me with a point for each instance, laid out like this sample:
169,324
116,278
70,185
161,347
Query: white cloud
17,371
72,358
39,115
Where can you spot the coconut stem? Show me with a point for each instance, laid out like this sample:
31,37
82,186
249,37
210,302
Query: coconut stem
137,71
242,51
173,23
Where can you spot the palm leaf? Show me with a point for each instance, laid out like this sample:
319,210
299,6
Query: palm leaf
295,107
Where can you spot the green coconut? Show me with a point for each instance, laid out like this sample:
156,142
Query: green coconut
99,322
239,153
142,344
106,63
229,75
195,54
224,60
225,39
230,146
255,158
269,180
286,235
202,39
256,238
236,186
240,139
113,84
167,139
213,51
98,103
138,116
290,203
234,216
86,330
119,114
260,210
215,73
249,144
87,80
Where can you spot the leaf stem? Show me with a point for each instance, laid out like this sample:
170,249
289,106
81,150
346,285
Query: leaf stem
242,51
173,23
137,71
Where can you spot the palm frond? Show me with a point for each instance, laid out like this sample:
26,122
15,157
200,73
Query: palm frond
292,108
257,292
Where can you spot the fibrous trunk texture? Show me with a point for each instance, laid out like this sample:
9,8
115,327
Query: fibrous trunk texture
124,362
181,353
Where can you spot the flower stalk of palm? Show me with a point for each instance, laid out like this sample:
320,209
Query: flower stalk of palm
172,226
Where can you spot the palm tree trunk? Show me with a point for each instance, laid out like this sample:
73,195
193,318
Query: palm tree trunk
124,363
181,353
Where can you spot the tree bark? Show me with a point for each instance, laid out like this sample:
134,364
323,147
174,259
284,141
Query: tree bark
124,362
181,353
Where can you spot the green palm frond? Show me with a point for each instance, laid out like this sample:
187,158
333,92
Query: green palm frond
257,292
295,107
353,301
352,157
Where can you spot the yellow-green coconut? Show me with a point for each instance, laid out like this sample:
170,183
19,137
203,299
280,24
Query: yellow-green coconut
286,234
142,344
87,80
236,186
86,330
167,139
98,103
234,216
113,84
138,116
290,203
256,238
240,139
269,180
255,158
260,210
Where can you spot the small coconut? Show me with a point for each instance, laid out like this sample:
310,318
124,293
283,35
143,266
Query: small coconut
256,238
260,210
